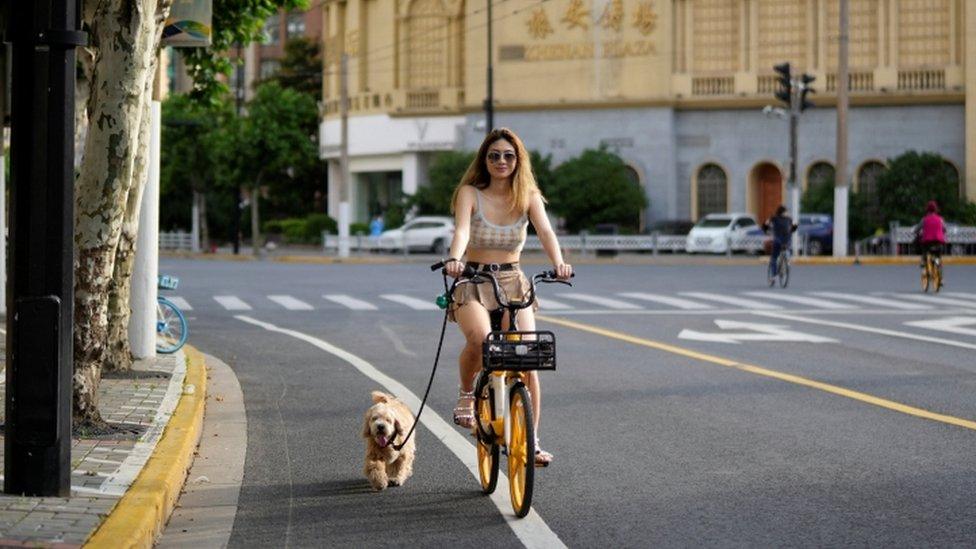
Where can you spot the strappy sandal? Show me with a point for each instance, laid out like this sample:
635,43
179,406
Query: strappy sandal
542,457
464,411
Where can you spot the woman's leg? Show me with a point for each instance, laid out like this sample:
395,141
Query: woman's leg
473,320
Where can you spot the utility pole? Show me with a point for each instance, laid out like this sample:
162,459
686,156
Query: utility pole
490,100
4,112
793,92
344,183
841,188
239,199
37,433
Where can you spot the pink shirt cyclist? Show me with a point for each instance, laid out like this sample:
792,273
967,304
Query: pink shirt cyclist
931,229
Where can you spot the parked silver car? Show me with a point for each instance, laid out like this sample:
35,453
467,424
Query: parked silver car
424,233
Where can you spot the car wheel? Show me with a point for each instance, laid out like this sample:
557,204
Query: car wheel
815,247
439,248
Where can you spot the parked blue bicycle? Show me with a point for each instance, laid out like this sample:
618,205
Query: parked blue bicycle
171,328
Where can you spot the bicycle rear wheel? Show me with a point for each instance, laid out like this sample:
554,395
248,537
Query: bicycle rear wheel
521,450
783,271
926,277
937,275
488,450
171,329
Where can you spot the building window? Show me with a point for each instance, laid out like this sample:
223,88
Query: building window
712,190
819,174
427,29
269,67
272,30
867,179
296,25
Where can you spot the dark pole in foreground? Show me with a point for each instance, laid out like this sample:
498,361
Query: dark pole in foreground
37,441
490,100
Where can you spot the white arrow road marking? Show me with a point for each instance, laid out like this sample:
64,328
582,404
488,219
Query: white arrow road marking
953,324
686,304
759,332
532,531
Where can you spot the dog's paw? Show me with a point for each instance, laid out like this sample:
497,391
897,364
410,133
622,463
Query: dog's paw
378,486
394,482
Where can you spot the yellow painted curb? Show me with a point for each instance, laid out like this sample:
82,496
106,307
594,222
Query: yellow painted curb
138,518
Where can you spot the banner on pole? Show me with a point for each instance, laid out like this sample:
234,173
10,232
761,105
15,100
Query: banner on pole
189,24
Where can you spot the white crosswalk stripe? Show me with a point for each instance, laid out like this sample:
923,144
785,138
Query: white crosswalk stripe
548,304
739,301
963,295
938,300
351,302
290,303
802,300
878,301
603,301
667,300
232,303
179,302
412,302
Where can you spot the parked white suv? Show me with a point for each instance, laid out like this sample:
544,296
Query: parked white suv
714,232
424,233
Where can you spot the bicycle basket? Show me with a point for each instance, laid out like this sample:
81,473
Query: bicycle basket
519,351
167,282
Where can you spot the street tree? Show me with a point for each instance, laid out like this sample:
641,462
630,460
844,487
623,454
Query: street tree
594,188
272,148
301,67
120,65
913,178
445,172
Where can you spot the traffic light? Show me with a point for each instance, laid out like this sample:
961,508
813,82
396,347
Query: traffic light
785,83
806,88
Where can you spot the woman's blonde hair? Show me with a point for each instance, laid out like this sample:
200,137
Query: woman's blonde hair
523,181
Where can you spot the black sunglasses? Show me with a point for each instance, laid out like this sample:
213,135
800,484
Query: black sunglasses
495,156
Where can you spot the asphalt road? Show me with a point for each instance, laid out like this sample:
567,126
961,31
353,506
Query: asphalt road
679,415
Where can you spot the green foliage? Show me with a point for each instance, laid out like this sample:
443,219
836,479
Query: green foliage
302,230
594,188
445,174
358,228
542,169
818,198
301,67
234,22
911,180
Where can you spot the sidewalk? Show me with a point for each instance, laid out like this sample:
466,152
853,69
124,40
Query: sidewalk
124,485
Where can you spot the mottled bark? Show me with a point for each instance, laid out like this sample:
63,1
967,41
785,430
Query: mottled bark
200,199
124,38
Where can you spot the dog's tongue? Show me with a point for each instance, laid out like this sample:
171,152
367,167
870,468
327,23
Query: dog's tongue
381,440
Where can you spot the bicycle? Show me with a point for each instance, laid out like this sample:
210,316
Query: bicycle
171,327
932,272
782,269
507,355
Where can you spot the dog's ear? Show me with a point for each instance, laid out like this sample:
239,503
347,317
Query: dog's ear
366,433
397,427
380,396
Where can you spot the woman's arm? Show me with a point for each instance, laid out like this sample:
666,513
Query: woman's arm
462,230
539,219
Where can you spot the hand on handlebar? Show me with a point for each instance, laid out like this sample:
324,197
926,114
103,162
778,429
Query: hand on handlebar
564,271
454,269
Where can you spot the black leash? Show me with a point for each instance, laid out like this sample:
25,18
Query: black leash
430,382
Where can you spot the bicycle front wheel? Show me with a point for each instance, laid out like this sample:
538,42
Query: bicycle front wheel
937,275
521,450
488,450
926,276
783,271
171,329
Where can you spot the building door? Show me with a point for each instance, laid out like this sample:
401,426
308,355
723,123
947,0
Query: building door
768,187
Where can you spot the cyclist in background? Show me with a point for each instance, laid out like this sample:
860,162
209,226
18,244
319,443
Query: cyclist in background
782,227
930,232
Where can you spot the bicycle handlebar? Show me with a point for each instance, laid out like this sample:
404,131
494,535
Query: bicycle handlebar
471,276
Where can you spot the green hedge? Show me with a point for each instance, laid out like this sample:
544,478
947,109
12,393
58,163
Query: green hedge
301,230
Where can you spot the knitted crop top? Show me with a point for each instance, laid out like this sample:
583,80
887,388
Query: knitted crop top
485,235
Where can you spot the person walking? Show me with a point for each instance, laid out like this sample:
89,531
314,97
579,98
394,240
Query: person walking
493,203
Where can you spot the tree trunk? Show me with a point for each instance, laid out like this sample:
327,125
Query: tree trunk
124,36
204,229
255,225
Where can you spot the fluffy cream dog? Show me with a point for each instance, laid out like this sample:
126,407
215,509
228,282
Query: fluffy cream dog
387,421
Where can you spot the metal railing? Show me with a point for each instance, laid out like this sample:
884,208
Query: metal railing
176,240
960,240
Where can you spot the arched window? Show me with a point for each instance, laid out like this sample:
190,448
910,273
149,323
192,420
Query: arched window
426,48
712,190
820,173
952,174
867,178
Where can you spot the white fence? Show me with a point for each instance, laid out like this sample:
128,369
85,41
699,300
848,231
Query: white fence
177,240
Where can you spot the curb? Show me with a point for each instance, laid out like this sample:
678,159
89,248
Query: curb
139,517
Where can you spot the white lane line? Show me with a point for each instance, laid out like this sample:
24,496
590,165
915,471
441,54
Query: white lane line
351,302
179,302
875,301
963,295
607,302
547,304
811,301
290,303
938,300
686,304
741,302
412,302
860,328
231,303
532,531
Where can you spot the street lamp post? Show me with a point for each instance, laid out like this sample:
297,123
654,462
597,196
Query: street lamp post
490,99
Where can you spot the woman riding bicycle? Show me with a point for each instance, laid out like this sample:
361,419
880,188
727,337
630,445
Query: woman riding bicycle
930,232
492,205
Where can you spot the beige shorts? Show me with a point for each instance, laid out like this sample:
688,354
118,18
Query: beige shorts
513,284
